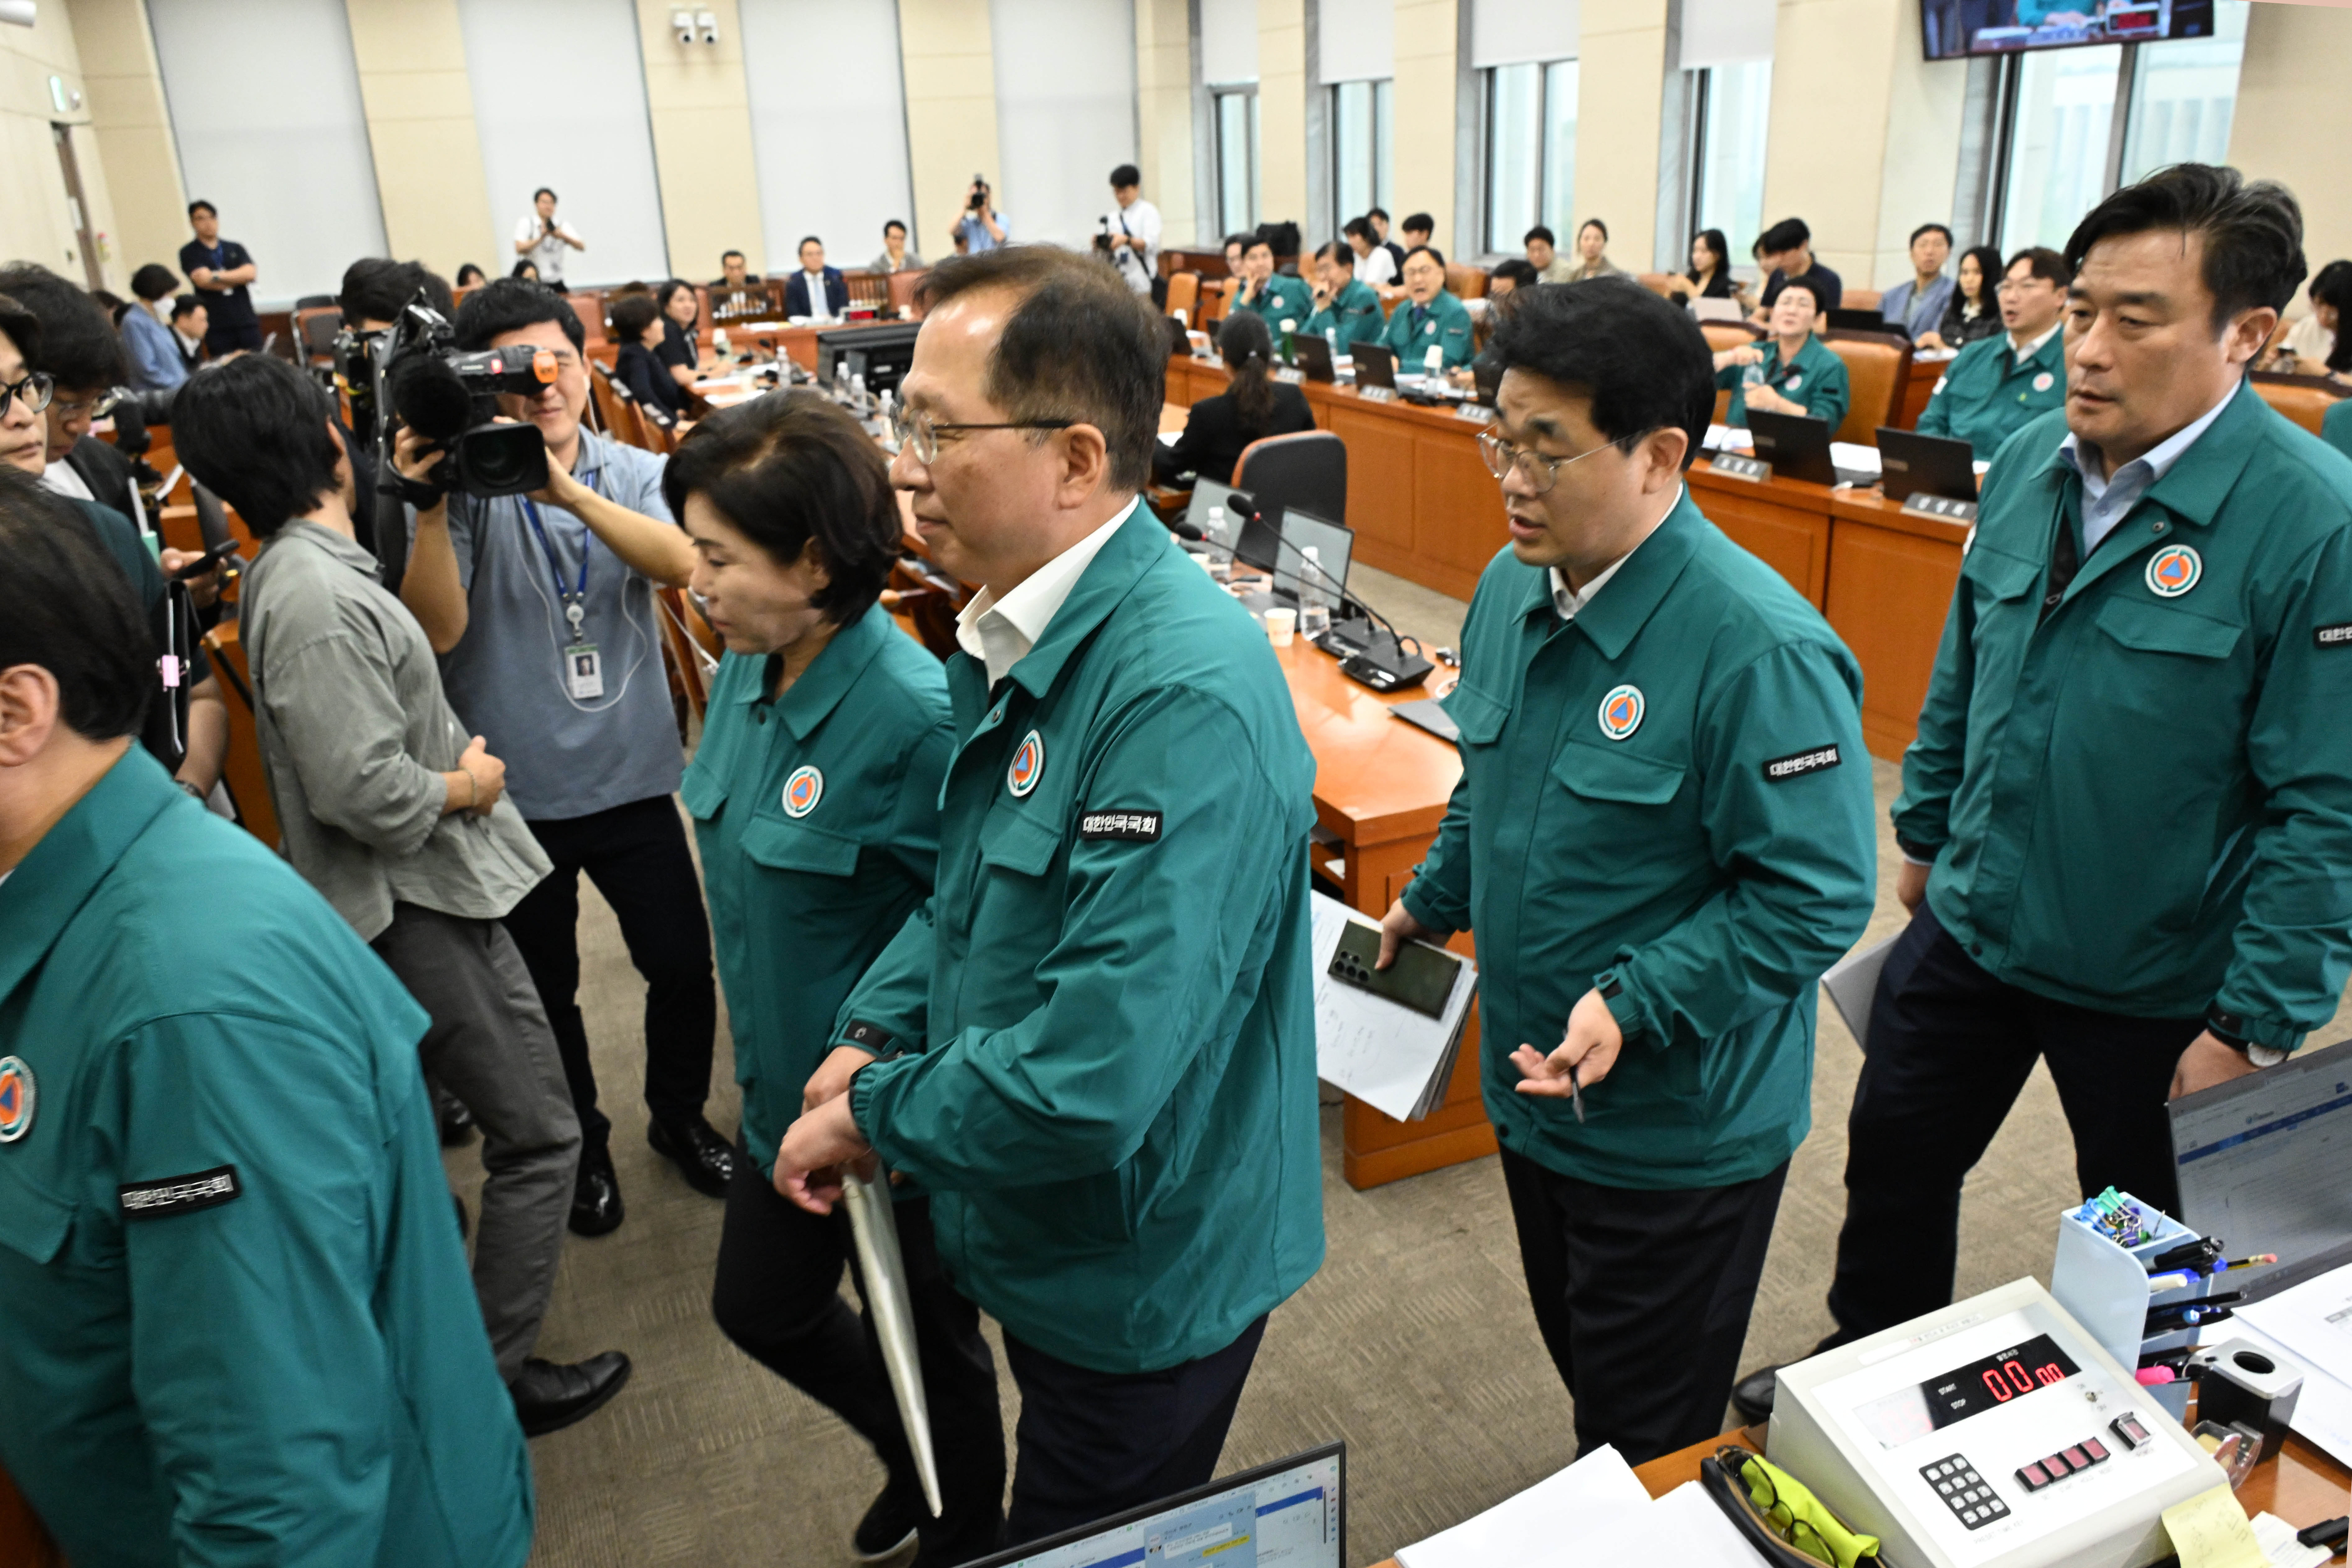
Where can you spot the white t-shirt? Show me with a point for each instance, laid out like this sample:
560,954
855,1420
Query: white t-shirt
1135,263
2310,341
61,478
546,252
1376,269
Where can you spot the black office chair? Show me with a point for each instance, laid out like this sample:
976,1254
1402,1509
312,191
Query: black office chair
1308,471
314,301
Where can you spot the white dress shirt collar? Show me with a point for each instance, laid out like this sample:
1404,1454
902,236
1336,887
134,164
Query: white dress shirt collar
2033,347
1000,633
2107,497
1566,601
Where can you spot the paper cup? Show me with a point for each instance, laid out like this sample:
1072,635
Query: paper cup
1281,625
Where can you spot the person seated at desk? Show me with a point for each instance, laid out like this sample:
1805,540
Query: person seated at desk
1785,252
1999,385
1428,316
735,292
1917,303
817,291
1374,265
157,362
681,347
1265,292
1972,313
470,276
1346,311
2305,350
1543,255
639,328
1592,254
1801,375
1710,270
895,256
190,321
1257,405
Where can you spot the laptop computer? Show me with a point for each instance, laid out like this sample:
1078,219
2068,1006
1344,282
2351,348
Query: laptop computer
1850,320
1911,464
1313,356
1332,543
2261,1161
1375,365
1293,1512
1796,446
1209,496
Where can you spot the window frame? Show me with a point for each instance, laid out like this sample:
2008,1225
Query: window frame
1381,117
1539,178
1251,133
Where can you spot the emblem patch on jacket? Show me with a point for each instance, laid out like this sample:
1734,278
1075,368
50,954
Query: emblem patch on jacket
1780,770
180,1194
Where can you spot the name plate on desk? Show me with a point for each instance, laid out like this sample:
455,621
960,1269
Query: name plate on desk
1473,410
1733,466
1943,509
1377,395
1286,374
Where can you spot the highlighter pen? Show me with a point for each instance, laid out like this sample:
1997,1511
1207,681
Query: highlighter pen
2252,1260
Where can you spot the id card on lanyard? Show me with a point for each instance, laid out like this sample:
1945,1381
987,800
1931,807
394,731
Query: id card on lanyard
583,663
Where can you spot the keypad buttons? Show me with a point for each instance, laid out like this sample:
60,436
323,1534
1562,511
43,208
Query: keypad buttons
1968,1494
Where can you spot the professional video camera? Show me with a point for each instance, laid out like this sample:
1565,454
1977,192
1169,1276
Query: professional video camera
449,397
1102,248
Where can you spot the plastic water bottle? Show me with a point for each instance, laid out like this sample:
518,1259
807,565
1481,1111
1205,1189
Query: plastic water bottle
858,392
1217,525
1752,375
1289,341
1433,363
718,342
1313,599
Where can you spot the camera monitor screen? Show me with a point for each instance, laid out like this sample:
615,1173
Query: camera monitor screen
1952,29
1288,1514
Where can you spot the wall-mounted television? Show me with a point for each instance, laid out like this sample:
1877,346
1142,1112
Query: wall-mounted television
1955,29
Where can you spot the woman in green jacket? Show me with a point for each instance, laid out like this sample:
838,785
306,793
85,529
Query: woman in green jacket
1800,374
814,797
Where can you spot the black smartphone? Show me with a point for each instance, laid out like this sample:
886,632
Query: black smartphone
206,562
1421,977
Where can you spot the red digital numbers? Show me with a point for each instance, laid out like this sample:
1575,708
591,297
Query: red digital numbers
2046,1375
1998,1384
2020,1379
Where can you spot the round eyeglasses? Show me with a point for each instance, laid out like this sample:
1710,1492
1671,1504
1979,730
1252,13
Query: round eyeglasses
918,434
35,388
1542,473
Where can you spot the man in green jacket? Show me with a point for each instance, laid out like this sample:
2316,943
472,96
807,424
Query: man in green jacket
1427,318
1999,385
1097,1038
1266,292
1662,838
1799,375
236,1326
2129,807
1346,310
2336,427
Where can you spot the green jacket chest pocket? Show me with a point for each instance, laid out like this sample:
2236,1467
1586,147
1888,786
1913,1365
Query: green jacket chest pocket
779,844
2169,665
703,790
1478,716
2001,602
33,1225
1616,780
1015,916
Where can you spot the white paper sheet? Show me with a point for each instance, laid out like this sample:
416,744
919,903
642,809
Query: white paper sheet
1852,455
1853,984
1730,438
1531,1528
1388,1055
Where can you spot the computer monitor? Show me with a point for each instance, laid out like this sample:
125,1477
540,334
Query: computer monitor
879,344
2261,1161
1208,495
1796,446
1314,358
1332,543
1292,1513
1375,365
1911,464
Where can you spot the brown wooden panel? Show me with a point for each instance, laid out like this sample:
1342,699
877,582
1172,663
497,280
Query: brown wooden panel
1918,390
1457,507
1791,537
1380,478
1887,600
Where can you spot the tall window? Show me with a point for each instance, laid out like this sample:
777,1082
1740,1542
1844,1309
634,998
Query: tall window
2058,151
1733,107
1237,123
1363,148
2183,94
1530,153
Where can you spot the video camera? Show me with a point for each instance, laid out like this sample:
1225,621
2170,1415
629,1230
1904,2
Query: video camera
450,397
978,201
1102,248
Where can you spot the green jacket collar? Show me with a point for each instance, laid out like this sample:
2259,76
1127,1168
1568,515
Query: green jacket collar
1617,614
1357,293
1108,579
826,680
1441,307
2194,488
1807,358
52,883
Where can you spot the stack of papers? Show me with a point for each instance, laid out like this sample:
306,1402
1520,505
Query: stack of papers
1852,456
2311,1326
1395,1060
1592,1514
1730,438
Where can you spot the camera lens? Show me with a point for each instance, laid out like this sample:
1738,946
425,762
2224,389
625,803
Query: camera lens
502,460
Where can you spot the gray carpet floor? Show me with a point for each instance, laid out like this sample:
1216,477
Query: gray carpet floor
1414,1343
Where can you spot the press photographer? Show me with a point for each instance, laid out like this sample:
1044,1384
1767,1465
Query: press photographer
1130,237
979,225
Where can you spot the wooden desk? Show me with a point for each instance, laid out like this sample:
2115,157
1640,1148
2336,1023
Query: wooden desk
1783,522
1888,595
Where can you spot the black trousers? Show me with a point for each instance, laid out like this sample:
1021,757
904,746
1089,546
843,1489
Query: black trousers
1949,1049
777,1296
637,856
1093,1443
1642,1298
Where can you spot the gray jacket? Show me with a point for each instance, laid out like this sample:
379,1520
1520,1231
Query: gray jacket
355,733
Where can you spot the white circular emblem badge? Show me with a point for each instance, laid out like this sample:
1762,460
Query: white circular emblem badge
1793,382
16,1099
1621,711
1028,765
2044,382
2174,570
803,790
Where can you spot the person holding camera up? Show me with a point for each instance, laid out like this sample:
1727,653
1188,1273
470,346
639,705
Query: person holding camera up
541,607
542,240
980,225
1131,235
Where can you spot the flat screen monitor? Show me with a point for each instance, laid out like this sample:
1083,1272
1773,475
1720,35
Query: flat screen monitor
1796,446
1332,543
2262,1159
879,344
1911,464
1208,496
1314,358
1288,1514
1952,29
1375,365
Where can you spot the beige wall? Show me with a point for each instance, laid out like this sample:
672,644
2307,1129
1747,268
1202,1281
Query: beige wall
36,221
2293,121
1620,82
951,73
128,150
1163,115
701,115
411,59
1282,113
1426,48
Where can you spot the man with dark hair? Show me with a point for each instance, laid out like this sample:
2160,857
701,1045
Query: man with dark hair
541,238
1265,292
156,365
2143,668
816,292
375,290
1378,217
1094,1047
402,823
234,1321
1916,304
1510,274
1663,839
190,322
541,608
1346,310
1999,385
1417,230
1544,258
1133,230
222,272
1785,252
735,292
1428,318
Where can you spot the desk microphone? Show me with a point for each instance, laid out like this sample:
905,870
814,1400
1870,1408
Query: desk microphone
1381,662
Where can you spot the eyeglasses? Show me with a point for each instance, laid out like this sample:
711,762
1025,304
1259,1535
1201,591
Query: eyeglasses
1786,1520
36,388
96,407
1542,473
918,435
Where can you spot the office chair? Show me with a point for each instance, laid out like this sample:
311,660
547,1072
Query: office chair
315,302
1184,294
1878,372
1308,471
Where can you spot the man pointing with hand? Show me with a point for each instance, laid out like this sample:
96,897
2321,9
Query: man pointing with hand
1661,837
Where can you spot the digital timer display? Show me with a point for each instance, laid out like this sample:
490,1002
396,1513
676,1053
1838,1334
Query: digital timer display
2004,1375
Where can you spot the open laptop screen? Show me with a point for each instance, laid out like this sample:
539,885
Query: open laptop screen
1288,1514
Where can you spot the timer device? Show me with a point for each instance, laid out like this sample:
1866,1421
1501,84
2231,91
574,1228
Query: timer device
1993,1433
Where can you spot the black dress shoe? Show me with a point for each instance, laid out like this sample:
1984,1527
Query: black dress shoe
595,1195
549,1396
1752,1394
891,1524
455,1122
706,1159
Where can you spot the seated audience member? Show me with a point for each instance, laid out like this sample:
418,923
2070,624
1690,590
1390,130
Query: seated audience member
1378,217
190,322
1592,252
26,395
1265,292
1785,252
817,291
156,365
526,271
1973,311
1710,269
1916,304
1999,385
1234,246
735,294
680,349
1510,274
640,328
246,1334
470,276
894,256
1801,375
1374,265
1255,405
1427,317
222,272
1416,230
541,609
1543,255
403,824
2312,339
790,507
1345,309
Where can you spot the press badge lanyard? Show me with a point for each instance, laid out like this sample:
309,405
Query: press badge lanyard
584,666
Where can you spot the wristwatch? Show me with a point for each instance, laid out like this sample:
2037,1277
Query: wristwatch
2231,1031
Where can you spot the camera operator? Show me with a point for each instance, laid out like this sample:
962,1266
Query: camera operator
980,225
1132,235
541,607
373,293
541,240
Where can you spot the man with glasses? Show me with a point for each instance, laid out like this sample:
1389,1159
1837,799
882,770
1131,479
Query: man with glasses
1428,316
1662,837
1999,385
542,609
1094,1045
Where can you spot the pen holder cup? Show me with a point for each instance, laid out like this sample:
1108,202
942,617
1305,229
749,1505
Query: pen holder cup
2105,1285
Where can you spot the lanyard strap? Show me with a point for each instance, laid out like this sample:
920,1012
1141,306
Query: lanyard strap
579,595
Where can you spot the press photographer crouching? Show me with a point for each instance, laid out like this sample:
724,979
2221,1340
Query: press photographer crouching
541,606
